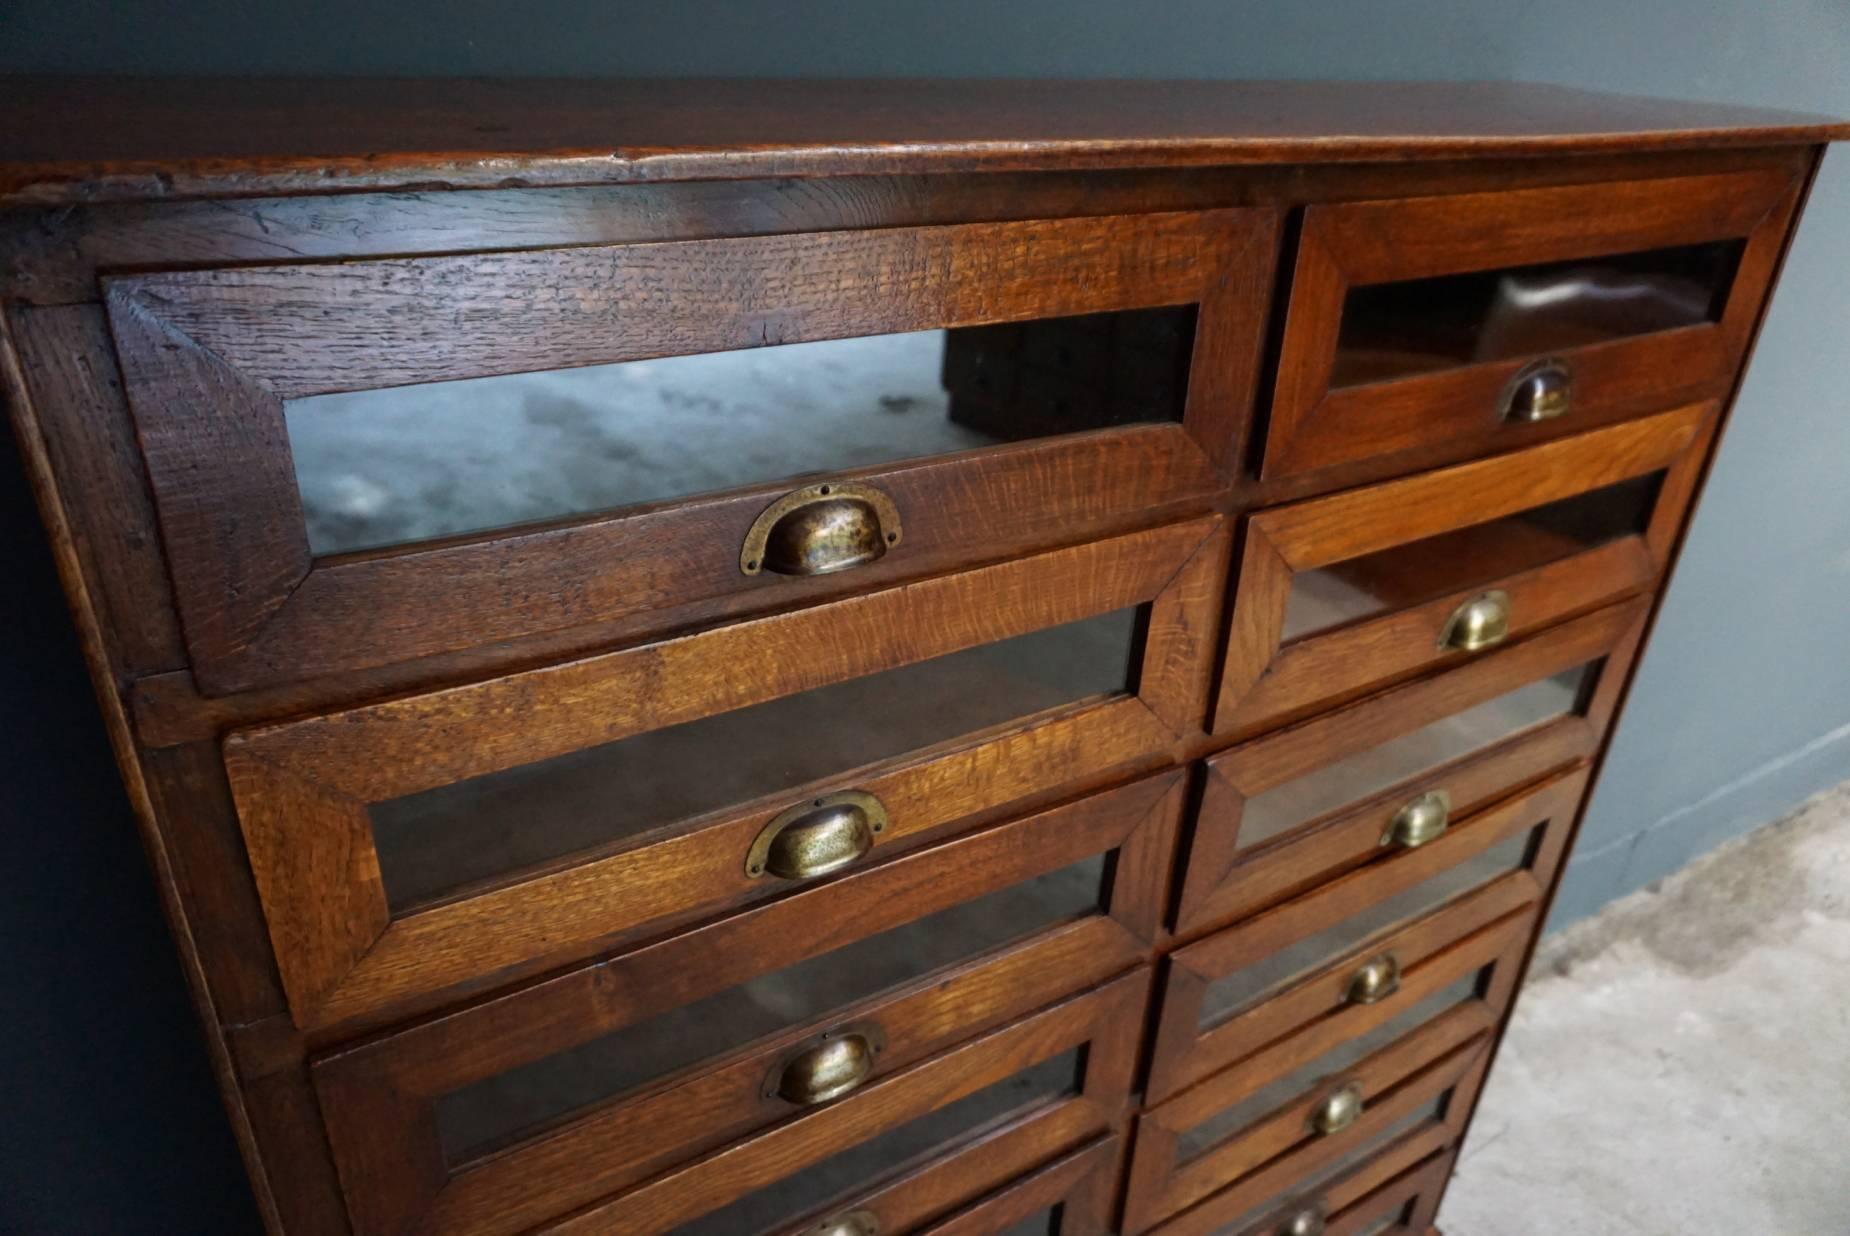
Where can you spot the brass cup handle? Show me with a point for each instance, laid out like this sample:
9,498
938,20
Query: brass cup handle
1421,820
816,837
830,1067
1342,1108
1540,391
1310,1221
1375,981
854,1223
1480,623
821,529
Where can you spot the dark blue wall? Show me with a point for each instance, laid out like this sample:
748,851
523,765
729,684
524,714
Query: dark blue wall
109,1115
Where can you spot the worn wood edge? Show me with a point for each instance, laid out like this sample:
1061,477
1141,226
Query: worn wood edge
1711,442
56,255
42,183
80,599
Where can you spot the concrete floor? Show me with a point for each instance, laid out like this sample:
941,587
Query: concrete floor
1679,1065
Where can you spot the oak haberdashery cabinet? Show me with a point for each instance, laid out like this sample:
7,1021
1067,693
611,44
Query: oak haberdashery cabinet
735,658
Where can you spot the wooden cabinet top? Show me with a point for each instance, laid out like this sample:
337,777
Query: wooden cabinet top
124,139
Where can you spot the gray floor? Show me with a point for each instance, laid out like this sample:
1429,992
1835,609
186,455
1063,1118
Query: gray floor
1679,1065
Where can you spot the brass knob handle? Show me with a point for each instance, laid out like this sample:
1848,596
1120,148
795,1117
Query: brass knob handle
832,1066
1424,819
1480,623
854,1223
1309,1221
1337,1112
1539,392
821,529
816,837
1375,981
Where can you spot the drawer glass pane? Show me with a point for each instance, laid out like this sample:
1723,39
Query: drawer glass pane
1262,1102
1241,990
409,463
1277,810
1415,326
491,827
1388,1222
1045,1223
1475,557
850,1172
513,1104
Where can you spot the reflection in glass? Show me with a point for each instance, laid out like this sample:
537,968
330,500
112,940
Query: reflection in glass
437,841
845,1175
1278,810
409,463
1416,326
1404,576
1241,990
512,1104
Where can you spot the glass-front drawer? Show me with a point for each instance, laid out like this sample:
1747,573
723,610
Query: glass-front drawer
925,1141
1298,808
1396,1193
1444,326
1343,595
1517,841
1254,1139
480,832
541,442
1221,1007
627,1066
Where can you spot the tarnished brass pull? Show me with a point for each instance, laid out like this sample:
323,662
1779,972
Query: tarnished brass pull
821,529
830,1067
1340,1110
1539,392
1424,819
1309,1221
1480,623
854,1223
1375,981
816,837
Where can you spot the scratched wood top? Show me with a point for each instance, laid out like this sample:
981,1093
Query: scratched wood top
123,139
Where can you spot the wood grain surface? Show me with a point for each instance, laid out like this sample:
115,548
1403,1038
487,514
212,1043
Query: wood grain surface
127,139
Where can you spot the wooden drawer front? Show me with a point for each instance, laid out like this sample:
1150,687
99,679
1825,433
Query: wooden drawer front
1411,320
212,357
1341,595
615,1071
1509,850
1383,1197
1261,1138
923,1141
1222,1007
1072,1196
1301,806
617,771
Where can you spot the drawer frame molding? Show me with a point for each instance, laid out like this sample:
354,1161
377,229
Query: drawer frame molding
1106,1021
209,356
1444,1056
1265,681
1225,881
303,788
378,1098
1313,426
